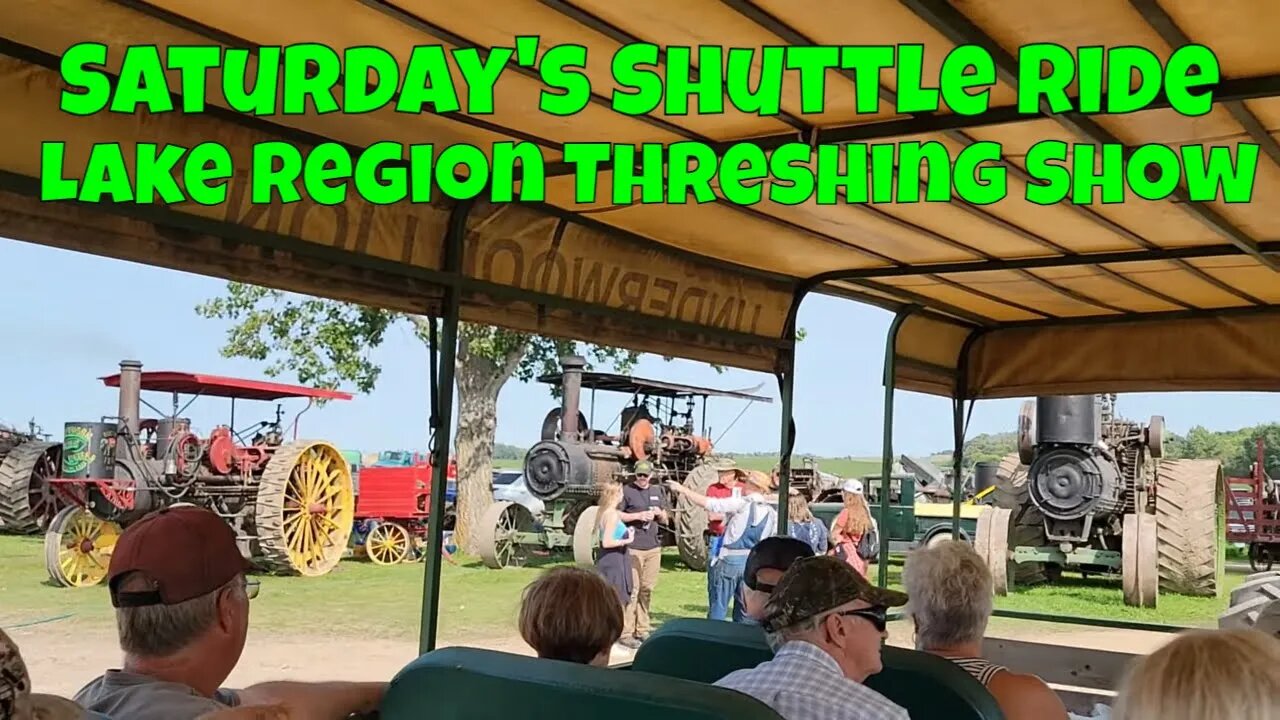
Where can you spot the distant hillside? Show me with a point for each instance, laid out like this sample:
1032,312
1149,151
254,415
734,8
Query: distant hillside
1234,448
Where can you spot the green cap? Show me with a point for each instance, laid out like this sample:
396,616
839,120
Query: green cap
644,467
815,585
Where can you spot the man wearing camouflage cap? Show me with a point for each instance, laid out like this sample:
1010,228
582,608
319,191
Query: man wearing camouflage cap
17,702
826,624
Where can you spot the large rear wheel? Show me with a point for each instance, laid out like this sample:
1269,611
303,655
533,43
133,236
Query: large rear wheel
305,509
1189,497
1026,523
27,501
78,547
691,520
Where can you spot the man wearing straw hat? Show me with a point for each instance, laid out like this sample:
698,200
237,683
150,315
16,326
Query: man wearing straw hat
748,519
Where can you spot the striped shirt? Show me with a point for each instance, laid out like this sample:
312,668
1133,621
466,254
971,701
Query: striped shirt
803,682
980,669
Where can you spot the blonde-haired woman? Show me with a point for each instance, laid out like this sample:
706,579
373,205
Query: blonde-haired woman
614,562
850,525
1205,675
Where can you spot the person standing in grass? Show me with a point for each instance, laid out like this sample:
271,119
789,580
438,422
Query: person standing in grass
749,518
802,525
849,527
644,509
614,561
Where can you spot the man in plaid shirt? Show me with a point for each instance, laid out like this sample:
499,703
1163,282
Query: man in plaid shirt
826,624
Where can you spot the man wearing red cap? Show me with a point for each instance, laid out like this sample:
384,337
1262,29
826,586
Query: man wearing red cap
178,583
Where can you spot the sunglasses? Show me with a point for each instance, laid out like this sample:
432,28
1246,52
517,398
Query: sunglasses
877,616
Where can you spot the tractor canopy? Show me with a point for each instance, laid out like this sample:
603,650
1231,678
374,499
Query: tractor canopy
184,383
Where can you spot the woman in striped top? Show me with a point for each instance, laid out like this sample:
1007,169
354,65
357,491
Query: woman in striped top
950,592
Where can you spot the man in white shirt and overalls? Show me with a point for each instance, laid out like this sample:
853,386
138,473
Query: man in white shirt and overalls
749,518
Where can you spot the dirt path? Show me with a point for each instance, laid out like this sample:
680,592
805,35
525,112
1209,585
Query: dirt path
62,657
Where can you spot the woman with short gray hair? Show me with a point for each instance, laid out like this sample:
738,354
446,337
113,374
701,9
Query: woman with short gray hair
950,591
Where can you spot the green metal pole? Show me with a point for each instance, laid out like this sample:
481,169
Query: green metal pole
957,466
448,349
886,458
788,427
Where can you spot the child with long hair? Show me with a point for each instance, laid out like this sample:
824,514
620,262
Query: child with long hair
853,522
802,525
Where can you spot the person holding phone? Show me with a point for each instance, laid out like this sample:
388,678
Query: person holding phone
614,562
644,509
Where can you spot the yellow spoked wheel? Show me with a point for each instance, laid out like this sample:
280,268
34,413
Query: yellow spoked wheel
305,509
388,544
77,548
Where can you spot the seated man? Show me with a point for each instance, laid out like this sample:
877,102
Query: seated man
765,565
826,624
571,614
951,601
177,581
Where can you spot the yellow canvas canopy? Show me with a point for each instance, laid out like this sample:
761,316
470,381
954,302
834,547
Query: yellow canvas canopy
1007,299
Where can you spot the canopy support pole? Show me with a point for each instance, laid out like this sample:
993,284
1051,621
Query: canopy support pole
886,457
441,427
957,465
786,386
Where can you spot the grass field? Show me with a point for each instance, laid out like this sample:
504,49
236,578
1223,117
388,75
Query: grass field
364,600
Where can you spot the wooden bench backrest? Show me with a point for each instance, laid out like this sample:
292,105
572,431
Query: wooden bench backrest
1081,676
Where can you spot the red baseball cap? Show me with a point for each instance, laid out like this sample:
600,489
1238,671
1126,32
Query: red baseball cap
187,551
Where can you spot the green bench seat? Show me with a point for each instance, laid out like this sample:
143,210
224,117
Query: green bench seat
927,686
471,684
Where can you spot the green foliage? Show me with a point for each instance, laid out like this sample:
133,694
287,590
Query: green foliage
502,451
988,447
328,343
323,342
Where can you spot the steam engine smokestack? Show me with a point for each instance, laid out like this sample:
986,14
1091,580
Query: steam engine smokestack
571,389
130,394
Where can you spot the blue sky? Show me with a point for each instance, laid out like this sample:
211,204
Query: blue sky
67,319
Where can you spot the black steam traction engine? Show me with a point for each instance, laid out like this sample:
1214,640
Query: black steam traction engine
565,469
290,501
1090,491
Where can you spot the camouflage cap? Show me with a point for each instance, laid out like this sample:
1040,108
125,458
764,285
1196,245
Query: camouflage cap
817,585
15,684
723,464
644,467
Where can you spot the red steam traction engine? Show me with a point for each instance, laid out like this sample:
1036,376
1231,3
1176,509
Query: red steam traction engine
1253,514
291,502
393,502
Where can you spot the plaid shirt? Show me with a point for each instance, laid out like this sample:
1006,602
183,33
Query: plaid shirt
802,682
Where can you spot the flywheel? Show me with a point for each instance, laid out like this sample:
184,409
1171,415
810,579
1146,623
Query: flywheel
305,509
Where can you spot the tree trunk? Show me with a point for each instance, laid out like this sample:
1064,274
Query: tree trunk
479,380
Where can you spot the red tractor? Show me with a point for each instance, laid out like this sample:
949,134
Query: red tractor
291,501
392,506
